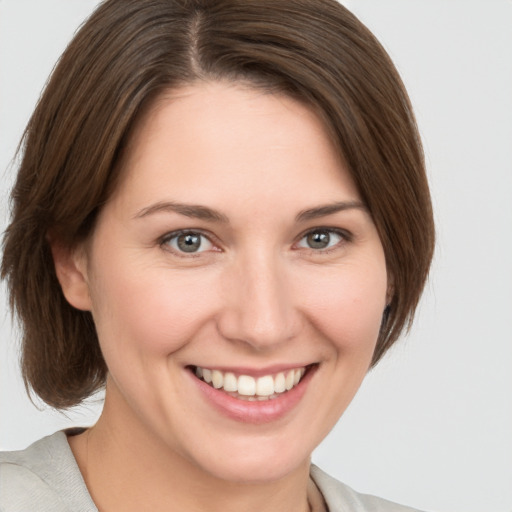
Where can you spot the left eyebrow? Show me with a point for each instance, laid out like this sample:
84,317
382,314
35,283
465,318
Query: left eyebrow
195,211
329,209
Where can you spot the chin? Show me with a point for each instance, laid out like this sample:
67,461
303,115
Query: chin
254,464
256,471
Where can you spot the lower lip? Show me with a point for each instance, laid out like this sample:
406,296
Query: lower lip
258,411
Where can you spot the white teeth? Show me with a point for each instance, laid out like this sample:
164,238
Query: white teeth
246,385
280,383
251,388
290,377
217,379
265,386
230,382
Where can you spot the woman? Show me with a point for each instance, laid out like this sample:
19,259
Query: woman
221,216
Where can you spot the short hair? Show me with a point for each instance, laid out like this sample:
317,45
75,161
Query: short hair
127,54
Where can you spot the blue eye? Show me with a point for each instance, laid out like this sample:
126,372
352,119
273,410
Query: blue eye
320,239
188,242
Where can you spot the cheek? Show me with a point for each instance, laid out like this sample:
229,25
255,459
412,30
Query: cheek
346,304
153,312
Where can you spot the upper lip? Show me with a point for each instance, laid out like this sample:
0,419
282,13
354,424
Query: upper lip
255,372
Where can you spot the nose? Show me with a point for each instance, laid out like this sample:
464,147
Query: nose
259,306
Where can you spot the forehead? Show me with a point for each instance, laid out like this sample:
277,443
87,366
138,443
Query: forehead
208,138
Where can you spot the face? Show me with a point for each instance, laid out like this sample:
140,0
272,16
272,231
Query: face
236,281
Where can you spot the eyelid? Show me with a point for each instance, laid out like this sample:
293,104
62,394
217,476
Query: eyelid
343,233
163,241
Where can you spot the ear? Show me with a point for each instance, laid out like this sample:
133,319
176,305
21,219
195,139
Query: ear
71,270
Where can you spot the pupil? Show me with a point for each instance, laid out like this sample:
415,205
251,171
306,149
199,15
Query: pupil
189,242
318,240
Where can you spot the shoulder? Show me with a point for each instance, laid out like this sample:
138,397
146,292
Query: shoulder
340,497
42,477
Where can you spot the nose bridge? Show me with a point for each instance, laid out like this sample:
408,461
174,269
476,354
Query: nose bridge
260,309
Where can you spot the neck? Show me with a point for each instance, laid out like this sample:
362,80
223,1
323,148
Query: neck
125,468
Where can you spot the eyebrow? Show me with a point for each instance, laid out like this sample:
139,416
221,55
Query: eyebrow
195,211
329,209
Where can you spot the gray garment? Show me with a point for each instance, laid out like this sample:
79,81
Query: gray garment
46,478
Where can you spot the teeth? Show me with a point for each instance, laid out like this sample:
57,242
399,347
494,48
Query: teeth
246,385
265,386
217,379
230,382
289,379
280,383
251,388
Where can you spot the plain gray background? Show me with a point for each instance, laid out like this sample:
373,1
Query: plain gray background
432,425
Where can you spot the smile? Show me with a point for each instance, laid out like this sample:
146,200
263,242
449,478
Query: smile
246,387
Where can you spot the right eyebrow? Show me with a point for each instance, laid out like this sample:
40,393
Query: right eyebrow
195,211
330,209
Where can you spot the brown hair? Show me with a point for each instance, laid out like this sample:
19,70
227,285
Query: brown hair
125,55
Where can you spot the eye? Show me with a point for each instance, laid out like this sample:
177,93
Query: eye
188,242
321,239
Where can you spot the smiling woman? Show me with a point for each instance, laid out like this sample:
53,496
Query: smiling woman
252,298
220,218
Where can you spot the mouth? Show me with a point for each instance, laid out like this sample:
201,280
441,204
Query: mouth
251,388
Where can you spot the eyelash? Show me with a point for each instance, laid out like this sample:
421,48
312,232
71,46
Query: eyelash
174,235
344,235
164,241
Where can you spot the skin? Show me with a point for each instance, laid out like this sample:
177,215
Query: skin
256,295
